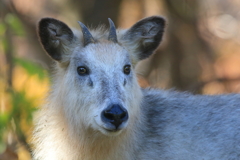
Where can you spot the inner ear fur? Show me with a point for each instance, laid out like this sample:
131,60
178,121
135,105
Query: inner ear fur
56,38
144,37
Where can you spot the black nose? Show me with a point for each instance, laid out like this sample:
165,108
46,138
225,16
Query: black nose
115,114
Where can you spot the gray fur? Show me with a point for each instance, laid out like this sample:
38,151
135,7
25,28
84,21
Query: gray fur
183,126
161,125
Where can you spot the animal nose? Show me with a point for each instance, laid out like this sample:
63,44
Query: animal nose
115,114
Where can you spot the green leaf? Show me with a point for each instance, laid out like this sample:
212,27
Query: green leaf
2,147
4,118
2,29
31,67
15,24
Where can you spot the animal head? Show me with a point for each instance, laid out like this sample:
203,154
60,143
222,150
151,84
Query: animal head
95,83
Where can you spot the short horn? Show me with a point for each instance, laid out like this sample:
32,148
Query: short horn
112,32
87,36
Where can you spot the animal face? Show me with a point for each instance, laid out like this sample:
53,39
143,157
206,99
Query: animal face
95,80
102,77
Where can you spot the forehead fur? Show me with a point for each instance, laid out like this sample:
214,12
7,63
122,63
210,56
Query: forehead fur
104,52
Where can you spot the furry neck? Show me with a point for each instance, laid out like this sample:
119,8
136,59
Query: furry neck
57,141
96,146
93,145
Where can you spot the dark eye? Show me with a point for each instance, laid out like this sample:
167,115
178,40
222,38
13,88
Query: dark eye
127,69
82,71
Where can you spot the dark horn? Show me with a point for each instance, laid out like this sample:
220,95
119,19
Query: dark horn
87,36
112,32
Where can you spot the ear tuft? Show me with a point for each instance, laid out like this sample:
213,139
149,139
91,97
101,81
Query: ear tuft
55,37
144,36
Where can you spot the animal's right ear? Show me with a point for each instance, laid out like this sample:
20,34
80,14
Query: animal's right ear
144,37
56,38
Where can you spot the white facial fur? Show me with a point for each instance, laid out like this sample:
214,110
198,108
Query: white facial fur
106,84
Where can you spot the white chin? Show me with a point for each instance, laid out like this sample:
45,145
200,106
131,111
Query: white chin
110,132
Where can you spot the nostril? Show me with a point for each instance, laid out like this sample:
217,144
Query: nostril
123,115
109,116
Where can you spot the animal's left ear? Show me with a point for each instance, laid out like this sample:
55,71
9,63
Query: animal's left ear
144,37
56,38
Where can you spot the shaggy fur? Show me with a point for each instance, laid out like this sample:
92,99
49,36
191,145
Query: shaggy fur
162,125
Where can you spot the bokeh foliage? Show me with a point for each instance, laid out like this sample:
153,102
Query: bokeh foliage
22,84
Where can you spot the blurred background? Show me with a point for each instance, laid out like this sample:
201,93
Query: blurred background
200,53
